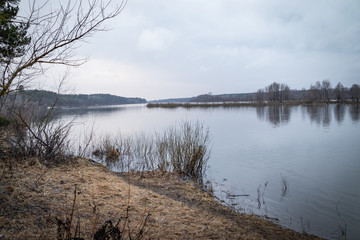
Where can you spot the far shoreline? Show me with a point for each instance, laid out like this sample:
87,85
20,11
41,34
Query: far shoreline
244,104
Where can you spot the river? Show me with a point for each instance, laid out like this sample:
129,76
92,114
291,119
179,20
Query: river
296,165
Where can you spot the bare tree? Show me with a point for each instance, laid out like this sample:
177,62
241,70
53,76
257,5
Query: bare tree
326,90
273,91
355,92
314,93
54,38
339,92
260,95
278,92
284,92
303,94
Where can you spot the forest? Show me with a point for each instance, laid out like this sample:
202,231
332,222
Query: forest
281,92
47,98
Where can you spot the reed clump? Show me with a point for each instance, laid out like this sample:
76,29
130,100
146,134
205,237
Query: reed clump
183,149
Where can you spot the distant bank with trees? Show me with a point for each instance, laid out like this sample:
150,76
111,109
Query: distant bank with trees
47,98
320,92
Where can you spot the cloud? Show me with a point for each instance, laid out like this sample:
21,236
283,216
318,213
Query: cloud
222,51
204,69
156,39
129,80
179,48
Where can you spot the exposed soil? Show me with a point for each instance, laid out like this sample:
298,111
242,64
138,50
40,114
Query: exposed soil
33,198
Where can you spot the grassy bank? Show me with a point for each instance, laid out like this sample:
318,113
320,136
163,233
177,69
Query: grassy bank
33,198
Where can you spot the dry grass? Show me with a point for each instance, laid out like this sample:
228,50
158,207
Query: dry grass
33,196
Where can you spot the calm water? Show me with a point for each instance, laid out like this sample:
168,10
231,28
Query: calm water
299,166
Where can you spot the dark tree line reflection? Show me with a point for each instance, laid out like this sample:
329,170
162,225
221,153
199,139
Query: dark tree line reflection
355,112
321,115
276,115
339,113
280,115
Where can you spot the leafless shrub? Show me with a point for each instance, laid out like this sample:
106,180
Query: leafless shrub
84,142
187,149
43,137
162,146
144,152
183,149
115,153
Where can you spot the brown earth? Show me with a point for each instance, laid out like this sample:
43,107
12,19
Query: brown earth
33,198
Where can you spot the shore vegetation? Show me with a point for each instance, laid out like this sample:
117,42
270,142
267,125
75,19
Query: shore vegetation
183,149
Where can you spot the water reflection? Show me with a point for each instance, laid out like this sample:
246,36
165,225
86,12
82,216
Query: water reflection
355,112
319,114
276,115
97,110
260,111
339,112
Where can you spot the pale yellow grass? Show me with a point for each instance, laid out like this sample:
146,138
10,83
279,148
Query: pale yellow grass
32,196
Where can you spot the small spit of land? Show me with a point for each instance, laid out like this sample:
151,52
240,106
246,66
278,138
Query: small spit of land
35,199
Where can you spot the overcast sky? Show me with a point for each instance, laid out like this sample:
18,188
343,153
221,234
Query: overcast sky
181,48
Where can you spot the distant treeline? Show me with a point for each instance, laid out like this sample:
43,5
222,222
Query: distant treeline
280,92
48,98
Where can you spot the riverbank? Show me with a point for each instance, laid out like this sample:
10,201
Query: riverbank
33,198
240,104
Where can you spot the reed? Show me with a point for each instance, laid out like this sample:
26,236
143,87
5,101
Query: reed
183,149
